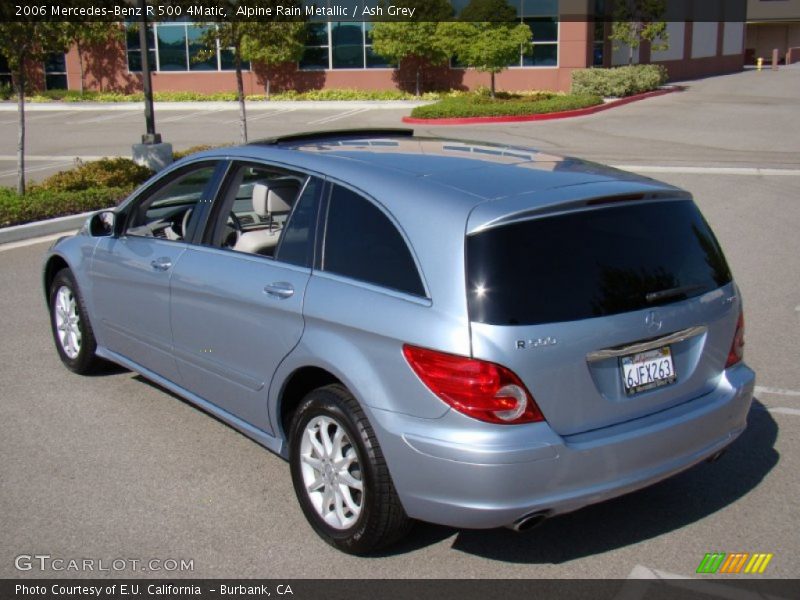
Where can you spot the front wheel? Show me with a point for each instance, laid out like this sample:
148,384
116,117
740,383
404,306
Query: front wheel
340,476
72,332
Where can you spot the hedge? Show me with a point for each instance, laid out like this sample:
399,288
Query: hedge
479,105
619,81
106,172
40,204
189,96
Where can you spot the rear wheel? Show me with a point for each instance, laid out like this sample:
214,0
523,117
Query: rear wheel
340,476
72,332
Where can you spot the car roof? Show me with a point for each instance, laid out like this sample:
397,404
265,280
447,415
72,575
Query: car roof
406,172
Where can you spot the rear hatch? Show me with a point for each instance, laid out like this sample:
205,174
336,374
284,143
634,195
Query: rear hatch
608,312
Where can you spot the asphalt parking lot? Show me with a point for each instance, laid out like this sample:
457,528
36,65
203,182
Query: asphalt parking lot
112,466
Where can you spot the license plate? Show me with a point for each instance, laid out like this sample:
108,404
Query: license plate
647,370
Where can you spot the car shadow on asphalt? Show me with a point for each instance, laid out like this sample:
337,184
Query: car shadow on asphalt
664,507
657,510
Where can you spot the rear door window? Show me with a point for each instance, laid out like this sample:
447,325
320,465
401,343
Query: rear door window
592,263
362,243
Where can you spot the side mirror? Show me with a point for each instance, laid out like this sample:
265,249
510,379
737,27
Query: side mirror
103,224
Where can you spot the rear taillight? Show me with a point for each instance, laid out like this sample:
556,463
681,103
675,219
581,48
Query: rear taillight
482,390
736,353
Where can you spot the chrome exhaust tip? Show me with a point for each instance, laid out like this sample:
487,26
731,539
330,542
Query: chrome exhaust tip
530,521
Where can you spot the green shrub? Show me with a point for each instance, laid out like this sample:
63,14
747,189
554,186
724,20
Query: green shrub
618,81
6,91
479,105
40,203
106,172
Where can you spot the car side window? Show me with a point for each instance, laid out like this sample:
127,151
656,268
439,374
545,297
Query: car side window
296,244
255,208
362,243
167,212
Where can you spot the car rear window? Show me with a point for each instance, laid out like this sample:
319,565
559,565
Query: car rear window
592,263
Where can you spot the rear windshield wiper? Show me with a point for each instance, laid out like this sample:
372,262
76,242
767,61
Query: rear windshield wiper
672,292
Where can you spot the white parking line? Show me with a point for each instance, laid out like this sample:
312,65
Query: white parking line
35,169
50,157
270,115
710,170
636,590
33,241
782,410
102,119
336,117
272,112
197,114
760,389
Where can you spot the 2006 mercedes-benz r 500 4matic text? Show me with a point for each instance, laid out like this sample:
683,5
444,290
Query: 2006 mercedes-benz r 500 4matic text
470,334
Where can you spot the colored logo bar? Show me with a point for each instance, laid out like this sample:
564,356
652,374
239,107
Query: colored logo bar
734,563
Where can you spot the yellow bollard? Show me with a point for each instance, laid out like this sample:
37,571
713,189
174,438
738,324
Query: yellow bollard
760,63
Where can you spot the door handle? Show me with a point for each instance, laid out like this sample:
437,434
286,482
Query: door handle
280,289
161,264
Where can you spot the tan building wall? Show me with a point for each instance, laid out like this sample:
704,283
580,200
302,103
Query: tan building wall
772,24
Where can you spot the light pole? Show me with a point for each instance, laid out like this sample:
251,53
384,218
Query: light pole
151,153
151,137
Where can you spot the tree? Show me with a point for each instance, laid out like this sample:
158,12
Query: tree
636,21
273,43
486,37
231,35
88,34
417,40
25,44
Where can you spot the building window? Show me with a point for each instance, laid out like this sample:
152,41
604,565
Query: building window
177,47
315,55
55,72
340,45
542,17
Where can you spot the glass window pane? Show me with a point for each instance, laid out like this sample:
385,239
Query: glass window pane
296,245
315,58
161,214
545,29
539,7
226,60
55,82
172,47
132,36
196,47
542,55
55,63
592,264
375,61
135,61
317,34
348,45
363,244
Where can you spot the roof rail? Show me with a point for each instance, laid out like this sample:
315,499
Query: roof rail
335,133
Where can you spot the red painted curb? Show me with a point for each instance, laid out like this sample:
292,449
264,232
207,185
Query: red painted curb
565,114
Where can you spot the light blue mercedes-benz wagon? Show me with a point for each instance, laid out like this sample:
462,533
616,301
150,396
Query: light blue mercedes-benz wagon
470,334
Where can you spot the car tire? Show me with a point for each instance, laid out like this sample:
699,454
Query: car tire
334,452
72,332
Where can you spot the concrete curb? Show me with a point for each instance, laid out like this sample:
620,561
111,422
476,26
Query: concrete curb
36,229
216,106
566,114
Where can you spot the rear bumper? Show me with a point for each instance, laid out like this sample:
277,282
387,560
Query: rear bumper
458,472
